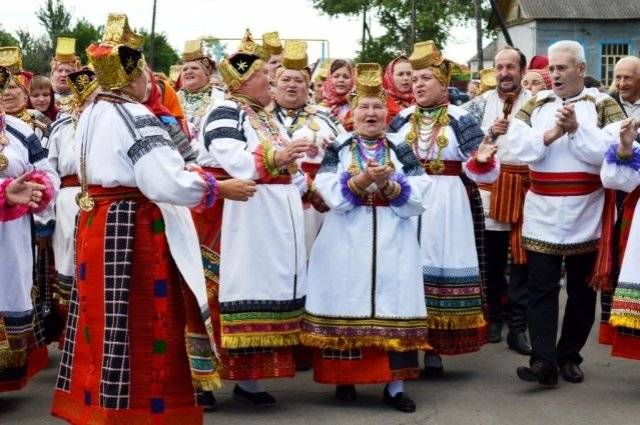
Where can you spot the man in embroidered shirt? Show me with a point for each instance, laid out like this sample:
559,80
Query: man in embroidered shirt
627,81
562,134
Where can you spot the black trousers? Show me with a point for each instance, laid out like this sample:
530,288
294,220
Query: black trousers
543,306
497,249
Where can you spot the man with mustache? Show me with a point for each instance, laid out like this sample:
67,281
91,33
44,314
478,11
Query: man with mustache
503,200
563,134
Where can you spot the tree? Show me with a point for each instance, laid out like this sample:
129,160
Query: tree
36,52
6,39
163,54
55,18
85,33
433,18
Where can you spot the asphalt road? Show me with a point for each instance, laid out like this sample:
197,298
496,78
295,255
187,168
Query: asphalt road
480,388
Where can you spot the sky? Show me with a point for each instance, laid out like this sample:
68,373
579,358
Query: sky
182,20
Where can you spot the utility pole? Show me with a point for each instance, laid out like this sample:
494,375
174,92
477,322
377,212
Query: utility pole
153,35
364,25
480,56
413,22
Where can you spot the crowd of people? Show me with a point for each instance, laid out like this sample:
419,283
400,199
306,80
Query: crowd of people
247,219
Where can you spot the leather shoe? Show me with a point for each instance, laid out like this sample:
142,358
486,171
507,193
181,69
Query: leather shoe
571,372
518,342
206,400
542,372
400,401
495,332
346,392
261,398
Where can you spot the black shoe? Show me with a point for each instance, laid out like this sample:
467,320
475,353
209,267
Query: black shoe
518,342
400,401
433,371
206,400
346,392
495,332
262,398
542,372
571,372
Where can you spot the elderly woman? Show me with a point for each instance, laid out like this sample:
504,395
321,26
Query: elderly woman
536,80
364,314
195,82
16,96
397,84
449,144
23,352
336,89
303,121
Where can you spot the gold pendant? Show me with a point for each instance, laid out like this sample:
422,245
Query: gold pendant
85,202
4,162
442,141
314,126
436,166
411,137
292,168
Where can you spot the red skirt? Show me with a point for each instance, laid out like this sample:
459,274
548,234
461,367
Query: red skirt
124,359
244,363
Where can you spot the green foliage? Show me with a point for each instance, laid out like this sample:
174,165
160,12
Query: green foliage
55,19
434,18
36,52
6,39
85,33
163,54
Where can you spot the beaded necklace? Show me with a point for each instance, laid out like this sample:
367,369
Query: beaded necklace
4,141
300,118
360,149
440,118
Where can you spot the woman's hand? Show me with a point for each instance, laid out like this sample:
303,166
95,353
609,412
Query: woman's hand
20,191
236,189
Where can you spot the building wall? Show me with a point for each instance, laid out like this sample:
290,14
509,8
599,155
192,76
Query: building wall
523,37
592,35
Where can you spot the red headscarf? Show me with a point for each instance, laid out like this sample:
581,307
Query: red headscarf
538,62
396,101
331,98
154,102
544,73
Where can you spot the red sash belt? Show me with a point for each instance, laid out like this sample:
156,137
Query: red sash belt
69,181
451,168
118,193
564,184
374,200
310,169
221,174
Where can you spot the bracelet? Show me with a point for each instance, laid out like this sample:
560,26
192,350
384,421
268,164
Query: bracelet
624,158
311,190
392,191
353,187
270,160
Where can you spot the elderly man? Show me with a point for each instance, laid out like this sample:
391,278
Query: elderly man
627,82
563,134
503,200
262,264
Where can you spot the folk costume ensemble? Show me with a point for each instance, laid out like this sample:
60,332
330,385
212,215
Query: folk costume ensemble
365,315
450,231
503,202
23,352
261,292
565,212
136,341
623,174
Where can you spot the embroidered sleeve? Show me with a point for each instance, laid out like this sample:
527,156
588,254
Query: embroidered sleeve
211,191
524,114
223,123
468,133
608,112
47,194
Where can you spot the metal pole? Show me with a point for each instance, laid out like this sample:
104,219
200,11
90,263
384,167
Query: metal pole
503,26
413,22
153,35
480,55
364,25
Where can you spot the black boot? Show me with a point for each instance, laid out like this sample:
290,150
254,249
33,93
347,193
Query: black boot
206,400
433,371
262,398
495,332
540,371
518,342
571,372
400,401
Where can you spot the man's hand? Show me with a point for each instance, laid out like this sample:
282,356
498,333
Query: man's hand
486,151
236,189
20,191
499,127
292,152
566,118
628,133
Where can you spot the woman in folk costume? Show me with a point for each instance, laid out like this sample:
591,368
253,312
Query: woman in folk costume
63,159
365,315
397,85
16,96
195,86
449,144
63,63
336,89
22,349
261,268
273,45
621,171
303,121
136,340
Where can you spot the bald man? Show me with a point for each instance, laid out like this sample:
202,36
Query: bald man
627,82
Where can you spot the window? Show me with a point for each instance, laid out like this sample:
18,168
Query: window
611,53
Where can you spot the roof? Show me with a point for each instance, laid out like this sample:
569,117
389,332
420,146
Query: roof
582,10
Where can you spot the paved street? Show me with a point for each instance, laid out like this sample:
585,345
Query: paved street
477,389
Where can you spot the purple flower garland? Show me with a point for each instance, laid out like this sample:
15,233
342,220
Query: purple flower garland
611,156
